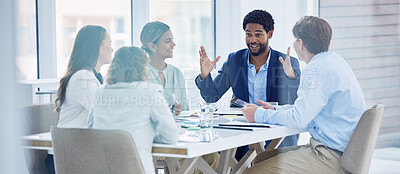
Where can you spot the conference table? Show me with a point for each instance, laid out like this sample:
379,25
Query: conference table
226,143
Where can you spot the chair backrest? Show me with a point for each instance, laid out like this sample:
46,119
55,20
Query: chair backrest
357,156
94,151
39,117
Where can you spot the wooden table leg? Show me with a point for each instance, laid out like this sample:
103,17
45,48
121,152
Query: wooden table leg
225,161
173,164
274,143
187,165
245,161
259,147
204,166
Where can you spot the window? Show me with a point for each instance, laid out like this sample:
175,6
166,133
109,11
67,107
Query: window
191,25
27,50
72,15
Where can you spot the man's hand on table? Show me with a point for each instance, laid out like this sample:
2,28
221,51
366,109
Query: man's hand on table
248,112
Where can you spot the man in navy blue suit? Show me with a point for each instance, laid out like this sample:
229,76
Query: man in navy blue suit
256,72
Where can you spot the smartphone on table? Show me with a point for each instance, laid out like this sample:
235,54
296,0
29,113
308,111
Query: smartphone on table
238,102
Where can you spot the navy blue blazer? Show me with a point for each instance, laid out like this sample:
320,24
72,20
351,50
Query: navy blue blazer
234,74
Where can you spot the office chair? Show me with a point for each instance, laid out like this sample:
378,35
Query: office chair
357,156
88,151
36,119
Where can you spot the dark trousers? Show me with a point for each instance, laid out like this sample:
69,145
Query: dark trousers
288,141
49,161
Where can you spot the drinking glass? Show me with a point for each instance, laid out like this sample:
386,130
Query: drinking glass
206,116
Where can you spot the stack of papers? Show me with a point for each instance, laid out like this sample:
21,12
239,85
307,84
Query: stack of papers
189,113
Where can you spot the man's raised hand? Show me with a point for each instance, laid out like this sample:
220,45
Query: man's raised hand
287,66
206,65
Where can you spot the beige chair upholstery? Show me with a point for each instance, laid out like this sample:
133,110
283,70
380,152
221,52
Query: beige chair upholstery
88,151
357,156
38,119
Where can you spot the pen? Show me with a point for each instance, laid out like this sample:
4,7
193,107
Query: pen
244,125
173,105
235,128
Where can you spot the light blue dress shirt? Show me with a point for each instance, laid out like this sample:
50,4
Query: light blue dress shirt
257,82
329,104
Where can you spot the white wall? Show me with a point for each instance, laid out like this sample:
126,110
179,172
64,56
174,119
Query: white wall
11,160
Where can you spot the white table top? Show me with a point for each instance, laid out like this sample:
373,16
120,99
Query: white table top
227,139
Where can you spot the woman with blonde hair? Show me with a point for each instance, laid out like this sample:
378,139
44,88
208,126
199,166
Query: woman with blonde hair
157,40
131,103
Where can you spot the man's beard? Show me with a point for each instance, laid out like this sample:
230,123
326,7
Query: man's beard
262,49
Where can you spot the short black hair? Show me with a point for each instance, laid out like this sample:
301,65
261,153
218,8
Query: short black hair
261,17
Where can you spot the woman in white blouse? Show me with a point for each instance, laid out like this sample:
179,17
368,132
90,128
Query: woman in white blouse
92,49
131,103
158,42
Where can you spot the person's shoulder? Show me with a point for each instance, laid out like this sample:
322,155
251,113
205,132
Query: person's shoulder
83,74
174,68
238,58
140,87
150,87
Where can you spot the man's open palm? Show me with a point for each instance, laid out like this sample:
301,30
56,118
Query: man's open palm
206,65
287,66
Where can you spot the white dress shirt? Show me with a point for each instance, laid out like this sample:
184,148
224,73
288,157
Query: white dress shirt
79,97
139,108
329,104
174,84
257,82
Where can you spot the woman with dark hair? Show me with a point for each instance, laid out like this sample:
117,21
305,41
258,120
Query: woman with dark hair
92,49
128,102
157,40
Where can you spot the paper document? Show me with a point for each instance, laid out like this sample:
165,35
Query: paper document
189,113
229,111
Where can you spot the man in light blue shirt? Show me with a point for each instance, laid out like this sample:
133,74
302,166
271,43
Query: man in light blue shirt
257,81
329,105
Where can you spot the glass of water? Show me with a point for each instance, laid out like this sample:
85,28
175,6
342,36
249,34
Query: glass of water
206,116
